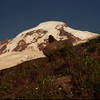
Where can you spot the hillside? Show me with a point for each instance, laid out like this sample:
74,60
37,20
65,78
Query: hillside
67,72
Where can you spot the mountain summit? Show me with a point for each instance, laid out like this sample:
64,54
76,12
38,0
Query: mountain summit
29,44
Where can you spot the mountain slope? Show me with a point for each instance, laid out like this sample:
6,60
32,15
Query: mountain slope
67,72
30,43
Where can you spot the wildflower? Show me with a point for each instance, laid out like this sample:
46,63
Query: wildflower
37,88
96,57
60,88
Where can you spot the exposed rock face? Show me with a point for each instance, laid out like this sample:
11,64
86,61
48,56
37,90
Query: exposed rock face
3,46
58,48
38,32
2,49
69,35
21,46
30,43
51,39
4,41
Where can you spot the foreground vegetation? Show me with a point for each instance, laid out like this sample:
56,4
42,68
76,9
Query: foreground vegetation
66,72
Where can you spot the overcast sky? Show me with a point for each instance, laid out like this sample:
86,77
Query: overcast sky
19,15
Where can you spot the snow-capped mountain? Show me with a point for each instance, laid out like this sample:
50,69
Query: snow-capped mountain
30,43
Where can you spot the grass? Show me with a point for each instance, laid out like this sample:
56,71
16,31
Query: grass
33,79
